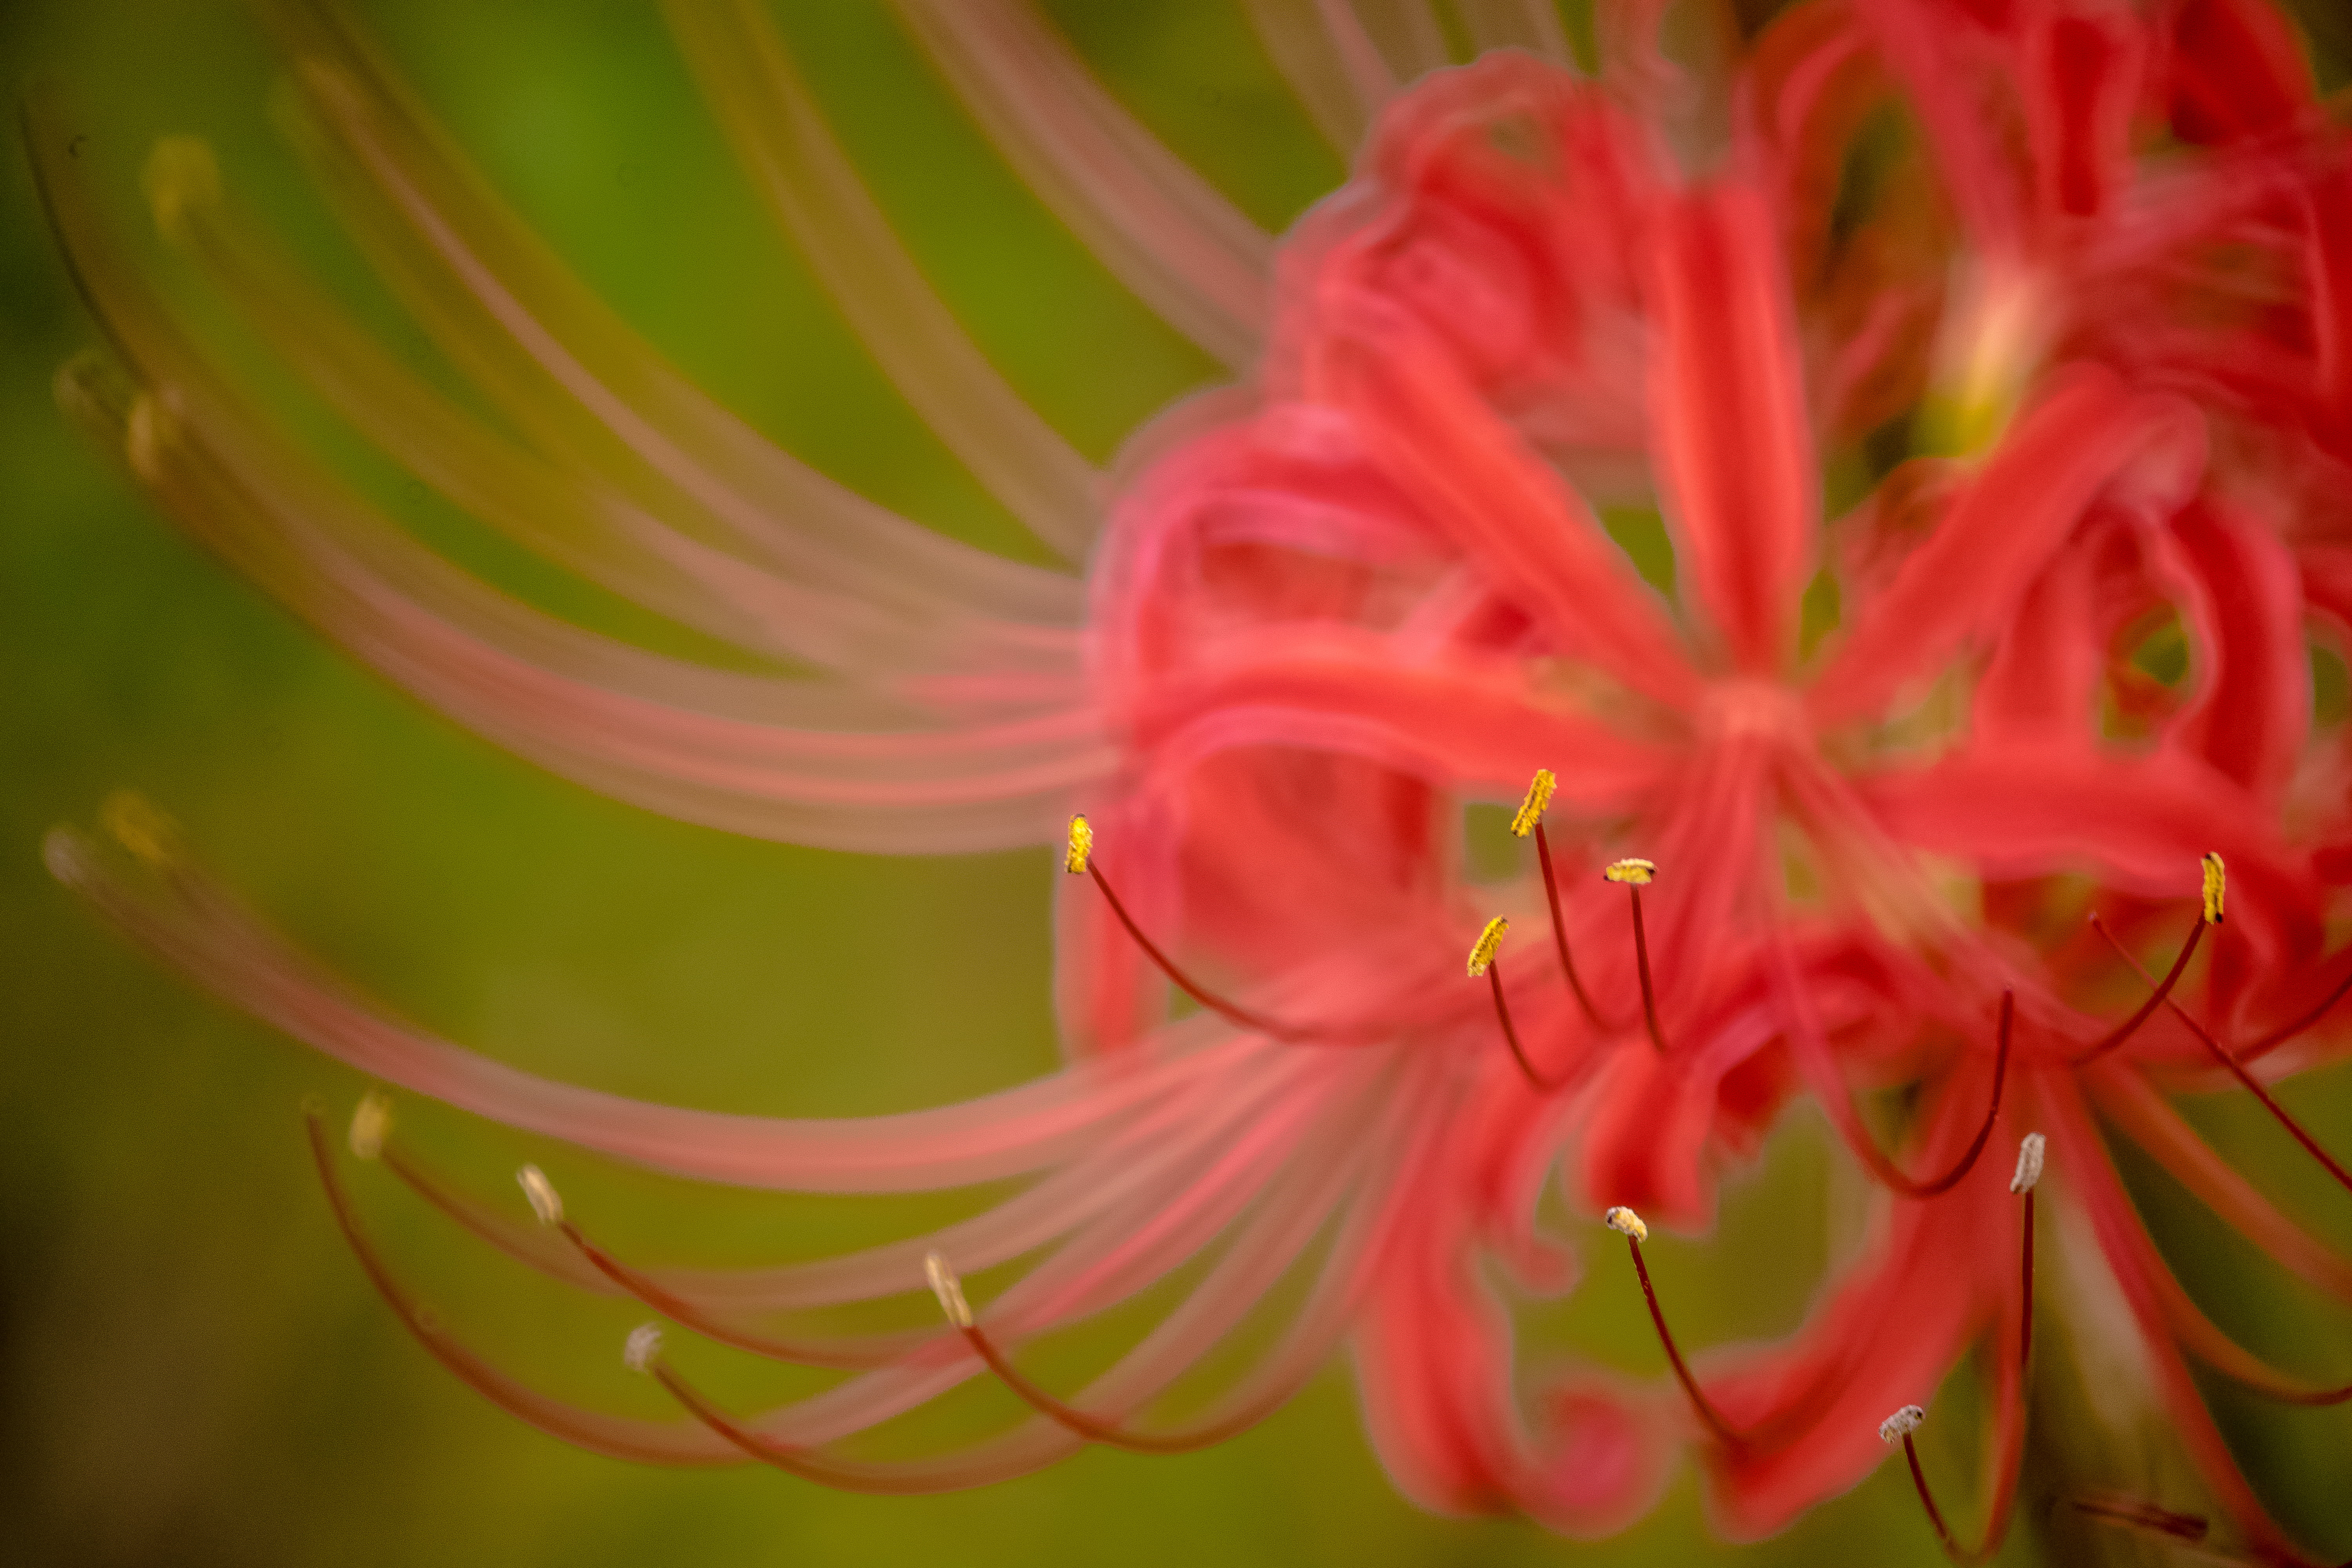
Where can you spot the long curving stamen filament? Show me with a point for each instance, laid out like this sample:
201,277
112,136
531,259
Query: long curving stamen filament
1079,861
1530,821
1487,960
1907,1421
1636,875
621,1438
805,1463
949,1289
2156,998
1888,1173
1630,1225
2252,1085
873,1351
2133,1514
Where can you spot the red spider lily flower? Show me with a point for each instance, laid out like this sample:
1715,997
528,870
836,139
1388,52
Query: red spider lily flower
1334,607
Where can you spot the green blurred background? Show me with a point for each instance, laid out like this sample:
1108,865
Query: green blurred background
194,1369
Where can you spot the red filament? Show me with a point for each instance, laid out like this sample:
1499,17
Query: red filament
2237,1069
1997,1527
1231,1011
1511,1035
1888,1173
1641,963
2162,993
1699,1401
1559,935
1094,1430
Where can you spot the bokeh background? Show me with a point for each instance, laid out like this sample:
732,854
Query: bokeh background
192,1367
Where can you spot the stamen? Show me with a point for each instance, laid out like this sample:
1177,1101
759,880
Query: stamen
1079,860
848,1352
1539,795
1635,875
371,1123
1531,809
545,1201
1893,1176
151,838
1630,1225
2135,1515
2130,1026
1551,900
2237,1069
1482,952
644,1343
2030,1155
2215,892
949,1289
621,1438
2286,1031
1899,1426
1493,969
802,1462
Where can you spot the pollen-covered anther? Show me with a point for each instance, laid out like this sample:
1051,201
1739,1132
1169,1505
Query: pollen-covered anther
2217,885
1635,872
370,1122
1489,943
2029,1163
133,821
1082,844
1902,1424
1531,809
182,176
949,1289
1625,1222
545,1201
149,432
644,1343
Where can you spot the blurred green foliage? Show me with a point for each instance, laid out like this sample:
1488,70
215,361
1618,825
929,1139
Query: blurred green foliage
194,1370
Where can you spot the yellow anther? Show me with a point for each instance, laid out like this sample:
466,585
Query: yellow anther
1625,1222
370,1120
1483,951
148,429
1902,1424
149,835
644,1343
1082,844
2030,1155
545,1201
2217,884
1531,809
948,1289
1639,873
182,174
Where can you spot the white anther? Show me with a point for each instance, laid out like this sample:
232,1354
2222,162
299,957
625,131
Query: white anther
2029,1163
1625,1222
370,1120
949,1289
545,1201
1902,1424
644,1343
